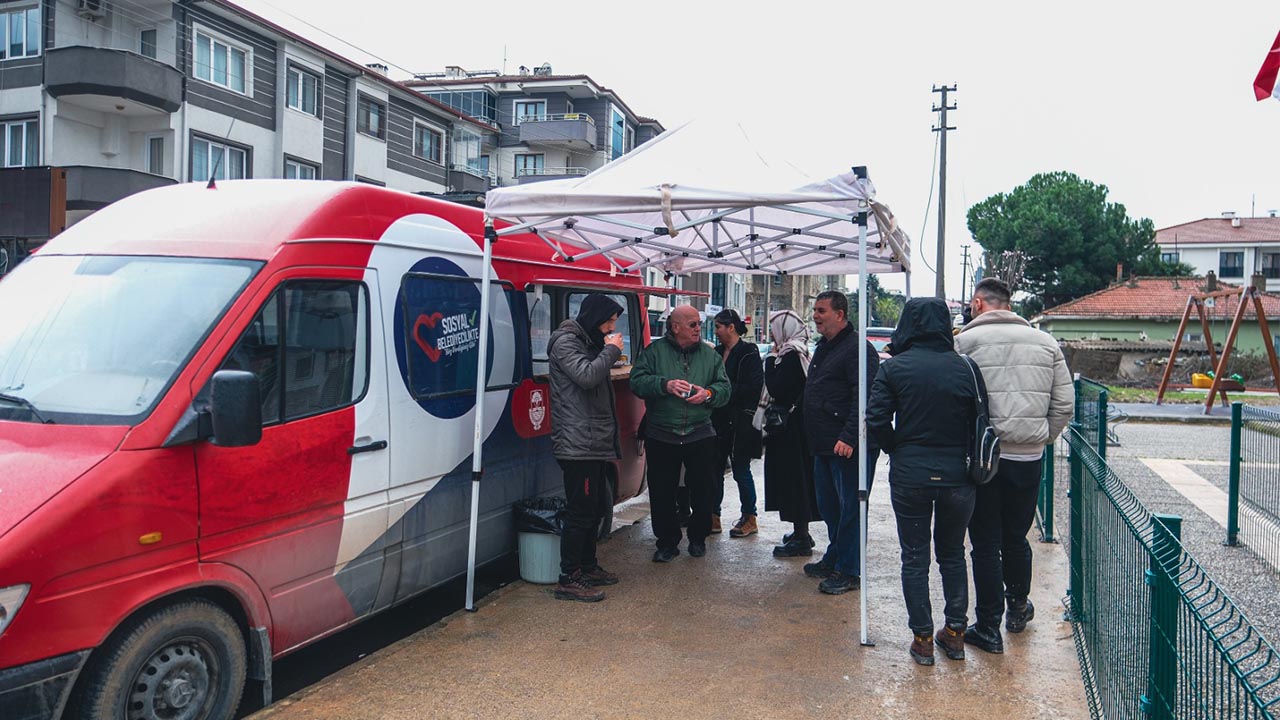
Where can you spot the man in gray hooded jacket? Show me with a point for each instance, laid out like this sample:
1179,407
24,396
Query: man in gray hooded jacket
1032,398
584,435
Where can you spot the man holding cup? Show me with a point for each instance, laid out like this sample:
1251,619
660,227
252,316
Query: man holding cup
681,379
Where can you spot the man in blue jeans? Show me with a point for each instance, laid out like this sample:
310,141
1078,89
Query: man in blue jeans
831,421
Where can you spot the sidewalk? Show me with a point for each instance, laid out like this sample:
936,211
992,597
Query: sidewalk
737,633
1174,412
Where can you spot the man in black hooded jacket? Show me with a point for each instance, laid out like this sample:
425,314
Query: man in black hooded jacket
584,436
920,412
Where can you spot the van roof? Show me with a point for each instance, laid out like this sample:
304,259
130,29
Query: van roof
251,219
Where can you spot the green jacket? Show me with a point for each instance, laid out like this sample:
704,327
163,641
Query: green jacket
663,361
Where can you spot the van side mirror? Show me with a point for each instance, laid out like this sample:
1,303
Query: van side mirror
236,407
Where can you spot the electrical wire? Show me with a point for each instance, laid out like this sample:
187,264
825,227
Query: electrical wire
933,176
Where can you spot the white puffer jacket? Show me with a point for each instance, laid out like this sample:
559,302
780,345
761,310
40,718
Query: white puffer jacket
1032,395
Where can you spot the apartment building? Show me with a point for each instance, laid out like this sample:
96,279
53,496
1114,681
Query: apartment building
551,126
1235,248
103,98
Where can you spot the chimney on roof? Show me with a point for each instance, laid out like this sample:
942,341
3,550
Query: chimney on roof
1273,213
543,70
379,68
454,72
1258,282
1210,282
1119,272
524,70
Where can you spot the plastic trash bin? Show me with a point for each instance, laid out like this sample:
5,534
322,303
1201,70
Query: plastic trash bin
539,523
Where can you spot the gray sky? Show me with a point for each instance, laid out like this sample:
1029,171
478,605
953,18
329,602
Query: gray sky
1152,99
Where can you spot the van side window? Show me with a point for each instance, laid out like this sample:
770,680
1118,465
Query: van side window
309,347
624,320
540,332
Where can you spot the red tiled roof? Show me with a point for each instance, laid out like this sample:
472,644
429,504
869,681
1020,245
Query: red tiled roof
1153,298
1219,231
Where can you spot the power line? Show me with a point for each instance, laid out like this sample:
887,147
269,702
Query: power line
933,175
940,288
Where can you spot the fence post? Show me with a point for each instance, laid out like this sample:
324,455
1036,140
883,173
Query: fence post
1233,482
1160,701
1075,492
1102,424
1046,494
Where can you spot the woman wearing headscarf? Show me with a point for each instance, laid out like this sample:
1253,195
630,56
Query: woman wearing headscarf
788,466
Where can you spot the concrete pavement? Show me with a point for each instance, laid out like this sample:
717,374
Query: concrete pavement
736,633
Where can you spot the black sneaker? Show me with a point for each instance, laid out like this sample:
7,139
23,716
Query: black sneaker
1020,613
794,548
820,569
666,555
792,536
697,549
838,583
985,638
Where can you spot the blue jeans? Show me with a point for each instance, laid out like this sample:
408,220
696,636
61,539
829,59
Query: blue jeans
746,485
835,484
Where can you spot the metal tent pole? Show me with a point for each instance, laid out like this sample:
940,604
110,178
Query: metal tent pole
864,482
477,447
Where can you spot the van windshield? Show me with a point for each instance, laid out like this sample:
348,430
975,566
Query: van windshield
97,339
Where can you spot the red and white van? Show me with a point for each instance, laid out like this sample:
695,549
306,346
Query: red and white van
236,420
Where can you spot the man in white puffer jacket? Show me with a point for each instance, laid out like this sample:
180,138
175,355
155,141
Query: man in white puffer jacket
1032,398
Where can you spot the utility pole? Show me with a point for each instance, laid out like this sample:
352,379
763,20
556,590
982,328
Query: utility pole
940,288
964,276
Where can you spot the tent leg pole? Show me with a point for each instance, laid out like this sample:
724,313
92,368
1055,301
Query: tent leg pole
908,288
477,447
864,482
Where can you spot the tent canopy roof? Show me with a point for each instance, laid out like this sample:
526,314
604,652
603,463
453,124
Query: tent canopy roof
701,198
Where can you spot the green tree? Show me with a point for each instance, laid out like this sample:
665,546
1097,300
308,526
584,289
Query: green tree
1071,235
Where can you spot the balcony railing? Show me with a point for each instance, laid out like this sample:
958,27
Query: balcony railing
549,118
544,171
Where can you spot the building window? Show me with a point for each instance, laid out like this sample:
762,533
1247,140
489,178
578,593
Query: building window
466,151
294,170
617,135
155,155
529,164
302,92
222,63
1271,265
1231,264
217,160
20,146
428,143
147,43
529,110
480,104
371,117
1168,257
483,165
19,33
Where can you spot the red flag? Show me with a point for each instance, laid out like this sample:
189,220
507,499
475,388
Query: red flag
1264,86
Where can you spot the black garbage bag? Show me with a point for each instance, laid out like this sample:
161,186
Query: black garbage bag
540,515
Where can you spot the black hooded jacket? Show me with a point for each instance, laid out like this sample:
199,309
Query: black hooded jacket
922,406
593,313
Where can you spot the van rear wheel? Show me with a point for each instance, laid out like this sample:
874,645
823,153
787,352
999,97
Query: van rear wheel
181,662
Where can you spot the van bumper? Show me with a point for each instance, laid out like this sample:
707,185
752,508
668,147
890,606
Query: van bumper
39,690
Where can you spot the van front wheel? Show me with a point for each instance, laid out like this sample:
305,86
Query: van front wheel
181,662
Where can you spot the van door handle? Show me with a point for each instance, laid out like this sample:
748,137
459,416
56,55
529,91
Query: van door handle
371,447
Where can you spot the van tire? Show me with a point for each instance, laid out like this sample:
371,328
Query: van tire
171,658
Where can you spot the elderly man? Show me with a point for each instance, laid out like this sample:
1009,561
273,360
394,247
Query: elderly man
681,379
1031,402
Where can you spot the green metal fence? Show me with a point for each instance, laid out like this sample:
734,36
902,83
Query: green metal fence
1091,413
1157,638
1253,491
1051,471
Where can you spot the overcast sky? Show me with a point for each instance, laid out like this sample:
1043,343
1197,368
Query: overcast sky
1152,99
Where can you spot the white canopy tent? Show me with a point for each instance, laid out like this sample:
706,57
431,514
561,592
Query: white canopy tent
701,198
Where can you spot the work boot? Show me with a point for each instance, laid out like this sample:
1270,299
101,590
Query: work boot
715,525
794,548
575,587
1020,612
922,649
820,569
745,526
838,583
951,640
597,576
791,536
984,638
666,555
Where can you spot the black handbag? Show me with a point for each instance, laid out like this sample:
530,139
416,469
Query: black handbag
984,445
776,418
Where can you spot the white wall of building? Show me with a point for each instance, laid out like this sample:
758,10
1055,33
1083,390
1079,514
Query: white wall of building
219,127
409,183
20,101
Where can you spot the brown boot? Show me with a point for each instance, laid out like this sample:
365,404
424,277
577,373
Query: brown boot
715,525
922,649
745,526
575,587
597,576
951,640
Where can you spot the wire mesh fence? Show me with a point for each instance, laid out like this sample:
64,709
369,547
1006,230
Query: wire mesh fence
1157,638
1253,497
1091,413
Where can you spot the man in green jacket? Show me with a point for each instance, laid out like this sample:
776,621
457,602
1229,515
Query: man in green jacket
681,379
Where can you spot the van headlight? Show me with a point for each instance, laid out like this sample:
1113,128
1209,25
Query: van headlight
10,600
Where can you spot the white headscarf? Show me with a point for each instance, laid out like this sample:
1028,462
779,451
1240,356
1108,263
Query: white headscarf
789,334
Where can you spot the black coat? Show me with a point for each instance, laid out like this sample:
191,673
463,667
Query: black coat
831,392
788,466
733,421
922,402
